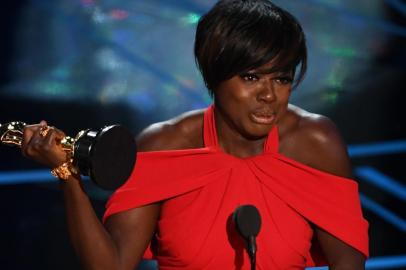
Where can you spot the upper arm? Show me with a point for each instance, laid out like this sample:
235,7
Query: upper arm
330,155
320,146
132,231
339,255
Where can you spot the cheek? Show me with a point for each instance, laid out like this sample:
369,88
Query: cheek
283,101
284,95
235,96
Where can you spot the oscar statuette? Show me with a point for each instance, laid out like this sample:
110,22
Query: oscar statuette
107,155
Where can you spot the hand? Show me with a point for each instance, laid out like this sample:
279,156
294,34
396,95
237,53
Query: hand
44,147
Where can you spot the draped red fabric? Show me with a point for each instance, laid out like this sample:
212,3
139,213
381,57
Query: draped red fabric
200,189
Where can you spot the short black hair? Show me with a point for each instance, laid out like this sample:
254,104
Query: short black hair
236,36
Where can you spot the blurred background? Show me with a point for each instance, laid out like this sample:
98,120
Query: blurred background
85,64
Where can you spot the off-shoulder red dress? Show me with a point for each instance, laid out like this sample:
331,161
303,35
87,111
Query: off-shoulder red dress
200,189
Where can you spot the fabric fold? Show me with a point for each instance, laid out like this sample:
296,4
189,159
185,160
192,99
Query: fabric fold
200,188
161,175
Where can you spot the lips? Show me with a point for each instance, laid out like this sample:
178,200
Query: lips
264,117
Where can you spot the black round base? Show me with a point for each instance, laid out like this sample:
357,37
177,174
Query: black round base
108,155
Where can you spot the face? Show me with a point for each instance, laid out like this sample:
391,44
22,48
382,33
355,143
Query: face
250,104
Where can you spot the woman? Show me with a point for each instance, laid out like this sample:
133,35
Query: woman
251,146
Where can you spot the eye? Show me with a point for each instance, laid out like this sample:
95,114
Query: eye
284,80
249,77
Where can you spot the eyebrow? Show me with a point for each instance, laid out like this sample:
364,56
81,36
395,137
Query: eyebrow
270,71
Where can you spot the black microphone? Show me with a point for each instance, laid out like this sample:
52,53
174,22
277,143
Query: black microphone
247,221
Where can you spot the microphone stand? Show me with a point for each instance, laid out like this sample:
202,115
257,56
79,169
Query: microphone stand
247,221
252,251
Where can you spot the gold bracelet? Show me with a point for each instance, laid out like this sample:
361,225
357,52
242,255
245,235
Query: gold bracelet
64,171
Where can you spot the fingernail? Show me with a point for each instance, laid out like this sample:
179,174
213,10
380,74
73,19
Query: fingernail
43,123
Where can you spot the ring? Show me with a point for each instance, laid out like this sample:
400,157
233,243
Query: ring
44,131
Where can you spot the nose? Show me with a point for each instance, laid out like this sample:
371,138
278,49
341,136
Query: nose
267,92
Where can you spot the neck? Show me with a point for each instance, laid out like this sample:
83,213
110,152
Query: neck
233,142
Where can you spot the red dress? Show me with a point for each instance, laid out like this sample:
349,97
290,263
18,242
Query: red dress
200,189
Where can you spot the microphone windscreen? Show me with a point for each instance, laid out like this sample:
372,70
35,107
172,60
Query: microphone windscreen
247,220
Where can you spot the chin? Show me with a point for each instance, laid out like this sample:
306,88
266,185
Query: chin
260,132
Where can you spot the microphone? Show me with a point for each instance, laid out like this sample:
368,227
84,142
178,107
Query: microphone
247,221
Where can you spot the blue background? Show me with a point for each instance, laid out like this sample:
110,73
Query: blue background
80,64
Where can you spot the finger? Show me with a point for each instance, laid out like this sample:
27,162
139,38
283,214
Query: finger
36,142
51,138
50,146
59,133
28,133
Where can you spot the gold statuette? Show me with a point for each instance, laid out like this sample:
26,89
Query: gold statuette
12,134
107,155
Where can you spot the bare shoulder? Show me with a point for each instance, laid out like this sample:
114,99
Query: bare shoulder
314,140
181,132
310,126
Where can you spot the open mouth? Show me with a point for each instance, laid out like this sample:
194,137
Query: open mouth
263,117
